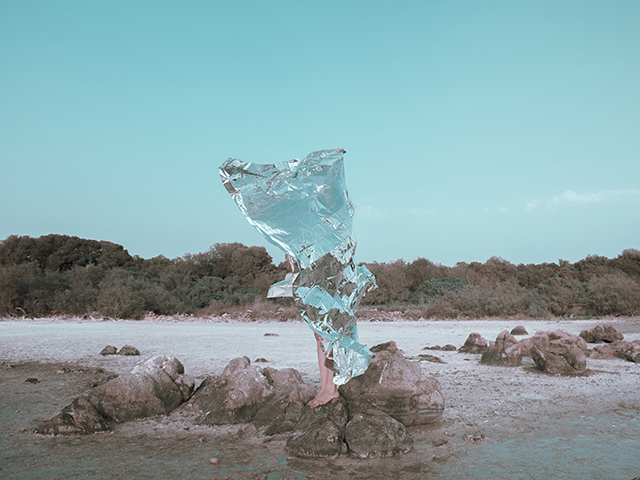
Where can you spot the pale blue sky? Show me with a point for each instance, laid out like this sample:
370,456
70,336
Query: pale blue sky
472,128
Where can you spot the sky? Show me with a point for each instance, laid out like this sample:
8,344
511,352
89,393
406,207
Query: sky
472,129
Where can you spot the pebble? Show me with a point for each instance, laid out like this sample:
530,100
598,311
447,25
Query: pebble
214,461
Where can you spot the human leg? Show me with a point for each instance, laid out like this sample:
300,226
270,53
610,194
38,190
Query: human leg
328,389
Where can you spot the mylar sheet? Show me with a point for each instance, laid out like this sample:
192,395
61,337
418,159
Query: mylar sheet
302,206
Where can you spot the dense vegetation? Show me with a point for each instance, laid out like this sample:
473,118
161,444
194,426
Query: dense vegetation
59,274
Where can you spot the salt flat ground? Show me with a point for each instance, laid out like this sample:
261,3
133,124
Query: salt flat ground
526,424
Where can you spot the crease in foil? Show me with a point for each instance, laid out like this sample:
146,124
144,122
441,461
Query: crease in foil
302,207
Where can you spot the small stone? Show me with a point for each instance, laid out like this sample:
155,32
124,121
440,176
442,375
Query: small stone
261,360
271,335
32,380
430,358
449,348
440,441
214,461
109,350
129,350
519,330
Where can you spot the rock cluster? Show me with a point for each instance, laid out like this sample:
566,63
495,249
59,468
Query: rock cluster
369,419
152,387
601,333
125,350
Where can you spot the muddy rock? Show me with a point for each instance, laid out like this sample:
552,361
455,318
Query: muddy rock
129,350
376,434
396,387
504,352
79,417
474,343
109,350
284,409
233,397
555,353
601,333
154,386
519,330
320,431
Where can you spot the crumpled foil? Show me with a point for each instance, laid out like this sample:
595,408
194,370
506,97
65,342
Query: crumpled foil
302,206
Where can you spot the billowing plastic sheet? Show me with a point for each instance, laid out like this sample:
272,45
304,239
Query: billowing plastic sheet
302,206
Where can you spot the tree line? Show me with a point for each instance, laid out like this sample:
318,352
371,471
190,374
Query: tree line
60,274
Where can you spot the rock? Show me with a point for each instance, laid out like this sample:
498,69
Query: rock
284,409
376,434
235,396
154,386
32,380
617,349
560,335
396,387
129,350
633,353
110,350
449,348
430,358
80,417
558,353
320,431
519,330
601,333
474,344
504,352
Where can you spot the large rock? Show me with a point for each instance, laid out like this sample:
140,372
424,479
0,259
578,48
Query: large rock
233,397
79,417
320,431
617,349
396,387
376,434
504,352
284,409
601,333
474,343
558,335
154,386
558,353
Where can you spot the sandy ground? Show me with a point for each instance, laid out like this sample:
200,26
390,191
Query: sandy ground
499,422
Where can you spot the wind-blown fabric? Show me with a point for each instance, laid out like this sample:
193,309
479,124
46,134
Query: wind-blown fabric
302,206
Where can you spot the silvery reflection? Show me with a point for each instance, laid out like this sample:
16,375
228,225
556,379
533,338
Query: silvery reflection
302,206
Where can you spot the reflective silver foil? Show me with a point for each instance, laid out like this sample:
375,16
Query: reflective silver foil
302,206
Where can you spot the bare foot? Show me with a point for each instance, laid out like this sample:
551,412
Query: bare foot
322,398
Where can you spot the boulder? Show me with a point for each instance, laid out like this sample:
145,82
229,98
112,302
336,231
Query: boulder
109,350
154,386
394,386
129,350
320,431
504,352
560,335
601,333
376,434
233,397
284,409
79,417
474,343
519,330
555,353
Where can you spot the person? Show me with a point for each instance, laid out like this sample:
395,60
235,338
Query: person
302,206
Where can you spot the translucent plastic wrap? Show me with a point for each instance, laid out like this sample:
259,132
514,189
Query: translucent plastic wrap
302,206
